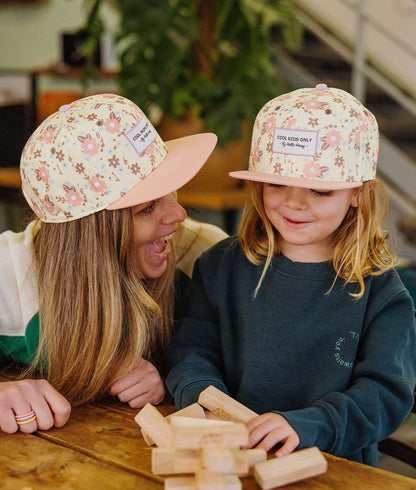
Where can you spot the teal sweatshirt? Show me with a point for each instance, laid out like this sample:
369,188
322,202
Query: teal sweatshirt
340,370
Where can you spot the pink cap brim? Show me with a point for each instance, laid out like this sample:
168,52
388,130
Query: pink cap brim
185,157
318,184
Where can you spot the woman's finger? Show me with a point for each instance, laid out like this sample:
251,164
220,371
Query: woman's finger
58,405
15,407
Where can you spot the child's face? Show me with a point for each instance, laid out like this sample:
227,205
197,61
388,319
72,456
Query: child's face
306,219
155,222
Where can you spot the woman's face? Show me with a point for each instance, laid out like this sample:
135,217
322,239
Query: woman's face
155,223
306,219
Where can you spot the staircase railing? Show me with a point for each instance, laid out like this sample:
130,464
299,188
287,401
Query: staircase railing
397,169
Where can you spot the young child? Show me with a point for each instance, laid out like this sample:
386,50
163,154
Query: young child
89,291
303,318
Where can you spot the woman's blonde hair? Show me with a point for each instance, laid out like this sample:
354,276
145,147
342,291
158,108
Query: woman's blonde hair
97,315
360,241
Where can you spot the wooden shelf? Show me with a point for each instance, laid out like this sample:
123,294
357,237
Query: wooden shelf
10,177
215,200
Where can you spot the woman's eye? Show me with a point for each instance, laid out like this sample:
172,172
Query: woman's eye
148,209
275,186
322,193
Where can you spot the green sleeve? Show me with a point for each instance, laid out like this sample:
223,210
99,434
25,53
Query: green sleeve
21,349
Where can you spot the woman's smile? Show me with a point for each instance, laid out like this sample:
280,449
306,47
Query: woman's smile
155,225
160,247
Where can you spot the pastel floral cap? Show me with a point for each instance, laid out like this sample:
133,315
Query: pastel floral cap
101,152
320,137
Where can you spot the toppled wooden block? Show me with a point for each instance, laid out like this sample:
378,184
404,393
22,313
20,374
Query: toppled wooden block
288,469
211,416
224,406
197,423
171,461
190,483
153,423
195,411
196,436
147,439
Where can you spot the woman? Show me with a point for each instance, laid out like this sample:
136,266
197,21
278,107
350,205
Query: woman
87,295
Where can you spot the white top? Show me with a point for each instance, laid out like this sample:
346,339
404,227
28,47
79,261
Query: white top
19,300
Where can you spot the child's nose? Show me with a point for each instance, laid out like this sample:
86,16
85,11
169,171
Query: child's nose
296,197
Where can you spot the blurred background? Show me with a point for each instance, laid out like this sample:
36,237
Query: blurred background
195,65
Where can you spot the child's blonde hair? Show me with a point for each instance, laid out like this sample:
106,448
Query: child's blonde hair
360,242
97,315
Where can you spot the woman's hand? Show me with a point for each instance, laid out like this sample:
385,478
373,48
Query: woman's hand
142,385
269,429
19,398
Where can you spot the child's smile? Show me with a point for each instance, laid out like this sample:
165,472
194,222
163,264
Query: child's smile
306,219
297,222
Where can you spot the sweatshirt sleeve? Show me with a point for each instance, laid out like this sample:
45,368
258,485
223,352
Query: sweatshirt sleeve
380,394
194,352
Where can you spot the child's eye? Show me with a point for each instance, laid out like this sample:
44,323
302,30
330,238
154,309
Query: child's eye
322,193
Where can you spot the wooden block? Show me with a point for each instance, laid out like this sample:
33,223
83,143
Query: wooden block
147,439
251,457
232,435
181,483
224,406
211,416
195,410
241,465
171,461
255,456
218,459
288,469
197,423
154,424
208,480
232,482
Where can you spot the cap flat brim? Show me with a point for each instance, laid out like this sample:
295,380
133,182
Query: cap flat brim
185,157
330,185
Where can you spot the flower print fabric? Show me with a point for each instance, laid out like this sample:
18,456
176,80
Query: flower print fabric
324,134
85,148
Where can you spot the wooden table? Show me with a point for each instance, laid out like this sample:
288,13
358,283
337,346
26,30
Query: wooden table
101,448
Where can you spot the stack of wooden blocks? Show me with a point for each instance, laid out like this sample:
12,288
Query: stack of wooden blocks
206,445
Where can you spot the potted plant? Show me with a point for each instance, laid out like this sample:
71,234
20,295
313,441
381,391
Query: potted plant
204,64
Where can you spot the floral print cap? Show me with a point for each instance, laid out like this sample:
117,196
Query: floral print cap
102,152
320,137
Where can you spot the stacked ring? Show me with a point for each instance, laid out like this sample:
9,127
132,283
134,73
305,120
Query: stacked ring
26,418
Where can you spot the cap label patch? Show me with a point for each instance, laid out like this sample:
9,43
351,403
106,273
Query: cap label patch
295,141
141,135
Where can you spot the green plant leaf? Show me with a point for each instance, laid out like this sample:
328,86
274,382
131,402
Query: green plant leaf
169,60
